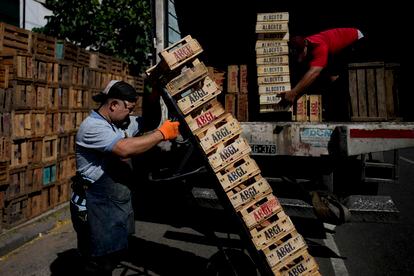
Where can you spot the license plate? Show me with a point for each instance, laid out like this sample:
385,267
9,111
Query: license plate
263,149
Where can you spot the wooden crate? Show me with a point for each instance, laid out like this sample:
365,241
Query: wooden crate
35,150
273,16
271,36
19,153
271,43
181,52
199,94
250,190
38,123
21,124
279,254
80,76
302,109
83,57
4,76
273,60
19,66
272,27
65,73
233,79
79,97
62,192
187,78
52,98
63,97
230,104
100,61
5,124
6,99
14,39
304,265
270,70
34,205
272,230
49,153
117,66
35,182
4,148
14,212
260,210
272,50
136,81
18,180
315,108
373,89
272,79
23,95
48,198
243,83
219,131
237,172
65,50
4,173
242,108
274,88
228,152
52,123
43,45
49,174
201,117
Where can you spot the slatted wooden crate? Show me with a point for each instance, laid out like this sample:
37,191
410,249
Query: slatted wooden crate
48,198
272,230
250,190
63,98
65,73
49,152
4,76
4,148
272,27
83,57
21,124
62,192
272,50
198,95
181,52
6,99
5,124
14,39
4,172
237,172
233,79
373,89
80,75
272,16
14,212
243,80
52,98
136,81
34,205
49,174
260,210
19,153
23,95
41,69
35,173
43,45
117,66
187,78
35,150
38,123
270,70
219,131
65,50
274,88
20,66
228,152
201,117
18,180
304,265
272,79
100,61
52,123
272,60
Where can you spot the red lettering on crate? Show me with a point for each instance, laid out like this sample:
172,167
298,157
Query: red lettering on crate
265,209
183,52
205,118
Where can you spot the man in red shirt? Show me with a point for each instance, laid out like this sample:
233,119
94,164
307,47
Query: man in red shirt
318,50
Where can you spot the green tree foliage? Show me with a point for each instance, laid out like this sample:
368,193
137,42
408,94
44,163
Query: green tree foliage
120,28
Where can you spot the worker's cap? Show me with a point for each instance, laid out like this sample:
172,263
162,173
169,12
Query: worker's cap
117,90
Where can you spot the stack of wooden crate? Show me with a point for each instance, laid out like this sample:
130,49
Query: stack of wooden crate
236,95
45,92
227,154
272,59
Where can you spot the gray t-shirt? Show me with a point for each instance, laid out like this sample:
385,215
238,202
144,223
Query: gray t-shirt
95,140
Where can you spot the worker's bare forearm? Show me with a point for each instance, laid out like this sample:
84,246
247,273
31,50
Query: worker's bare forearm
136,145
306,80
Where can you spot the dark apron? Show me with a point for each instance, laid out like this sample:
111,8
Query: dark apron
110,216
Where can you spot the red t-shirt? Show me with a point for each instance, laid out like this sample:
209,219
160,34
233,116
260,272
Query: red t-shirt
330,42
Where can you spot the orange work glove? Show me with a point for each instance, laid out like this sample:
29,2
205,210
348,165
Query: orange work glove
169,130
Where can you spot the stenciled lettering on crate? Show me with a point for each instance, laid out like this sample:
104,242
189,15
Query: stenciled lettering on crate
201,117
180,52
273,16
260,210
276,254
306,266
251,189
274,88
221,131
198,95
228,152
272,27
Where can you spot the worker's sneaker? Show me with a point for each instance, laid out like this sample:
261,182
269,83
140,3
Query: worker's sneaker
329,209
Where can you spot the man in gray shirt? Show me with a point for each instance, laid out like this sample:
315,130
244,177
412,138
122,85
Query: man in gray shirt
101,207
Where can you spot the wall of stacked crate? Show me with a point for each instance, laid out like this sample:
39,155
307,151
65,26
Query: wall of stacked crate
234,85
45,92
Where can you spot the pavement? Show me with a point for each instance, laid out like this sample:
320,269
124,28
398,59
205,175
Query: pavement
13,238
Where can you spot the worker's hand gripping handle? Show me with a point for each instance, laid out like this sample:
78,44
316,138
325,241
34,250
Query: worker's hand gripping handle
169,129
